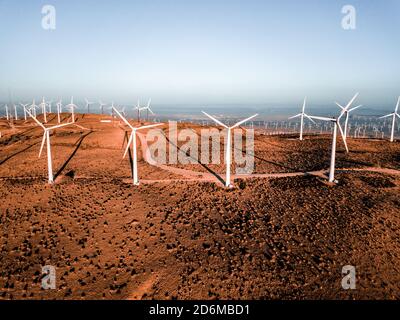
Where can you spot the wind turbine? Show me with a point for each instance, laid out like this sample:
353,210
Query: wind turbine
138,110
147,108
33,107
88,104
347,111
132,140
393,115
24,107
59,110
333,151
302,115
49,103
72,106
123,112
43,105
46,138
7,114
228,154
15,111
102,105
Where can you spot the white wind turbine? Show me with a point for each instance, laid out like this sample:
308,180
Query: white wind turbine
24,107
59,110
132,140
228,154
347,111
15,112
393,115
72,106
112,109
302,115
7,114
102,105
46,138
138,108
49,103
333,151
88,104
147,108
43,105
33,107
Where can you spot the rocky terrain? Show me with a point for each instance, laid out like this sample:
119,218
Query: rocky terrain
180,237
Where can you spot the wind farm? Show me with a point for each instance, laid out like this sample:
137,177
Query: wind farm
104,175
226,151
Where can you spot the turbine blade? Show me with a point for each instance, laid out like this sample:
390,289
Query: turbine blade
215,120
42,145
150,126
36,120
321,118
296,116
352,109
342,134
128,144
123,118
351,101
309,118
388,115
304,104
397,105
245,120
60,125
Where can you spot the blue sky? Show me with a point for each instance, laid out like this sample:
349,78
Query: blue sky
250,52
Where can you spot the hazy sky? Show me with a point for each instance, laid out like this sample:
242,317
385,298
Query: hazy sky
201,51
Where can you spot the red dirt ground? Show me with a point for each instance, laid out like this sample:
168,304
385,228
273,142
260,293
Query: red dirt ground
181,235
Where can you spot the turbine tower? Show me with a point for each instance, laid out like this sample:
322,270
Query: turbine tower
7,114
138,110
59,110
33,107
228,154
72,106
393,115
24,107
43,105
337,126
302,115
15,112
46,139
102,105
49,103
88,104
132,140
